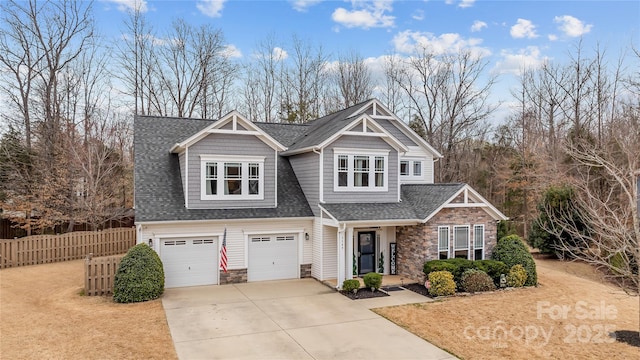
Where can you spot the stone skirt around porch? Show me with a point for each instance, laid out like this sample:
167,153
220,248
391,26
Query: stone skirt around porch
387,280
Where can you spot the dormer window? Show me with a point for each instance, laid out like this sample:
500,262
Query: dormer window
232,177
360,170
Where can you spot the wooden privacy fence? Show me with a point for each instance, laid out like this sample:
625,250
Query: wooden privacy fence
41,249
99,274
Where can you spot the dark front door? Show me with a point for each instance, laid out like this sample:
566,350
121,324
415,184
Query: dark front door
367,251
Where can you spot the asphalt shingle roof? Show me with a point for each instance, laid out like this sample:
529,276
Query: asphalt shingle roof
418,202
321,129
158,186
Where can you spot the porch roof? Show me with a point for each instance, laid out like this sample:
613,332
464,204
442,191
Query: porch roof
371,211
418,202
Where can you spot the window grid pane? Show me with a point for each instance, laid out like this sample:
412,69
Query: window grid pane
379,167
232,181
461,237
343,170
478,236
404,168
361,171
211,178
417,168
443,239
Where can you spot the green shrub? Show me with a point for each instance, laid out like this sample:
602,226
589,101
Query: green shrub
511,251
455,266
493,268
372,280
442,283
139,277
517,276
350,285
474,280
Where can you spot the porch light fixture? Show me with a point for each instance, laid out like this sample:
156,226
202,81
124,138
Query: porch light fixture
150,242
306,236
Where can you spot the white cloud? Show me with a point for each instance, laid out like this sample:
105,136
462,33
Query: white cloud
418,15
279,54
130,5
303,5
478,25
552,37
466,3
365,15
524,59
407,42
523,28
231,51
211,8
572,26
463,3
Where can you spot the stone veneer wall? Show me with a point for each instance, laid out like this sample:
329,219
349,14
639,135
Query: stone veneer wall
305,271
419,243
233,276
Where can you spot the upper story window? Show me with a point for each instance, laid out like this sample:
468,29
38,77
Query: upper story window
360,170
411,169
232,177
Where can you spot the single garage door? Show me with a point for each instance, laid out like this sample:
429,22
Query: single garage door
189,262
273,257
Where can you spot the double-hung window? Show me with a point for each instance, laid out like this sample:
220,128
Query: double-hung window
232,177
478,242
461,241
443,242
361,170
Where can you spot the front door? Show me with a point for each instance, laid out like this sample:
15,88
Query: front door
367,252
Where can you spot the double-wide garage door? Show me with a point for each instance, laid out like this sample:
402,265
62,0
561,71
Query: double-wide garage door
189,262
273,257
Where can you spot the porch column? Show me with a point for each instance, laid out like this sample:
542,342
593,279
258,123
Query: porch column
349,253
341,252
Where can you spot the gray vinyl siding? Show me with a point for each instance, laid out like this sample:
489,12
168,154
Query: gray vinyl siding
396,132
306,167
360,142
231,144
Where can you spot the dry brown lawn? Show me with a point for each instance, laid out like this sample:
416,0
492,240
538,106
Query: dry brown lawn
43,316
561,318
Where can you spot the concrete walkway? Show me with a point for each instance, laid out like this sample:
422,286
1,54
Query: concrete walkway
290,319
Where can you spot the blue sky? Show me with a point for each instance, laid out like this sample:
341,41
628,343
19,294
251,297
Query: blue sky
510,34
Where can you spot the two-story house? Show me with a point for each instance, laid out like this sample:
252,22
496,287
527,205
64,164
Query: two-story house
340,196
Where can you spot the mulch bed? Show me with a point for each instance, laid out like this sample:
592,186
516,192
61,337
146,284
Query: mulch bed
363,294
628,337
417,288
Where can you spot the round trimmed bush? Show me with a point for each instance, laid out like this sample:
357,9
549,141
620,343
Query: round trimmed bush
517,276
474,280
442,283
512,251
372,280
455,266
493,268
140,276
350,285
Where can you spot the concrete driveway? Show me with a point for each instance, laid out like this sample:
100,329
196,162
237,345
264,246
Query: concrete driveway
291,319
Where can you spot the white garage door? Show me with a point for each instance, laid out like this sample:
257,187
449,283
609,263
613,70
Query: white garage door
189,262
273,257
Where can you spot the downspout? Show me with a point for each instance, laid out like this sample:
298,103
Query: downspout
341,255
